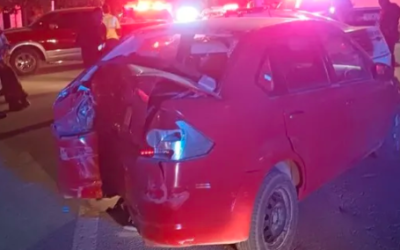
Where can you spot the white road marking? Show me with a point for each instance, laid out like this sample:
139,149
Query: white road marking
85,235
127,234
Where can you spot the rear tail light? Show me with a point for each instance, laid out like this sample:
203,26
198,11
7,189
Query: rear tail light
182,143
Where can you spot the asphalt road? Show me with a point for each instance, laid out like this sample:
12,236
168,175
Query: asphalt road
358,211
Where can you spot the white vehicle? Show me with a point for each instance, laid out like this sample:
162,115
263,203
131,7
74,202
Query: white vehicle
341,10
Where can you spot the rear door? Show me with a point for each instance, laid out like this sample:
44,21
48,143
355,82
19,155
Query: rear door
364,95
64,30
313,109
370,102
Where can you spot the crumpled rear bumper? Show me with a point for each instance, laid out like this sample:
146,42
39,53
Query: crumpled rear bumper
78,168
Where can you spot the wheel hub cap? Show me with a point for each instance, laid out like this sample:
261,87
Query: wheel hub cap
24,62
276,218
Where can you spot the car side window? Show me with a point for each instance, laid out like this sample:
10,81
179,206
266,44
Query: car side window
264,77
70,20
347,62
44,21
298,62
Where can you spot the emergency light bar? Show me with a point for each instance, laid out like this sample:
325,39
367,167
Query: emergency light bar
243,11
149,5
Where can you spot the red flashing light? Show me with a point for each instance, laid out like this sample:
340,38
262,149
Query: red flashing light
147,152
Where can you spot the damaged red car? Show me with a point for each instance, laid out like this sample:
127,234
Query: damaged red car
212,131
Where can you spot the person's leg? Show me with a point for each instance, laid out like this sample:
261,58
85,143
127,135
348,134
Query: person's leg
110,44
7,87
90,56
392,45
394,63
15,95
85,58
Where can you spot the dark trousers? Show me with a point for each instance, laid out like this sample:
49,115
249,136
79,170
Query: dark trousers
392,46
110,44
391,42
90,55
11,86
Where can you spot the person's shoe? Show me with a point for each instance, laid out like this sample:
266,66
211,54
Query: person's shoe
1,92
25,103
3,115
14,107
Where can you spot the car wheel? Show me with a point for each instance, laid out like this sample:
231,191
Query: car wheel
275,215
25,61
102,205
392,143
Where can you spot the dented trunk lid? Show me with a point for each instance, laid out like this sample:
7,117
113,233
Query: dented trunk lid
124,107
124,99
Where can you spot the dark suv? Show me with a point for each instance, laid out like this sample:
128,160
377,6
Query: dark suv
52,39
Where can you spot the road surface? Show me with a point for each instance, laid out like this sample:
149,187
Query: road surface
358,211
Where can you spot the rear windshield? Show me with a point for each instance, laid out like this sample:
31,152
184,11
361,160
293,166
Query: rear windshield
207,54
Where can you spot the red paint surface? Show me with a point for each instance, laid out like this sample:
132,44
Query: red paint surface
78,171
209,200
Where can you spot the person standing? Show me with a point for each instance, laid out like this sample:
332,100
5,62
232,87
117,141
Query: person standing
12,89
91,37
389,22
113,27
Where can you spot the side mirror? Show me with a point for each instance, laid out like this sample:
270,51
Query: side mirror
382,72
53,26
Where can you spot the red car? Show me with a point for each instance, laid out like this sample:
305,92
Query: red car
212,131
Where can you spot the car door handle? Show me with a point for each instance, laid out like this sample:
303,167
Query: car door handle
295,113
349,102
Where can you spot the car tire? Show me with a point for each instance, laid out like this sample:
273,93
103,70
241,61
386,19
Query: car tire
102,205
25,61
276,212
391,146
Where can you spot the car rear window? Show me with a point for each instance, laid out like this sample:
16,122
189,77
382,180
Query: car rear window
298,62
73,19
208,54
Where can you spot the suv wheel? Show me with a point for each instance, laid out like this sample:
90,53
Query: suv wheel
275,215
25,61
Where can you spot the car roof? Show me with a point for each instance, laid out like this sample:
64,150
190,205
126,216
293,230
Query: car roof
235,24
78,9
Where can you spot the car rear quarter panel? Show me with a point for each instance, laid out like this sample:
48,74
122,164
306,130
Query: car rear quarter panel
249,133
